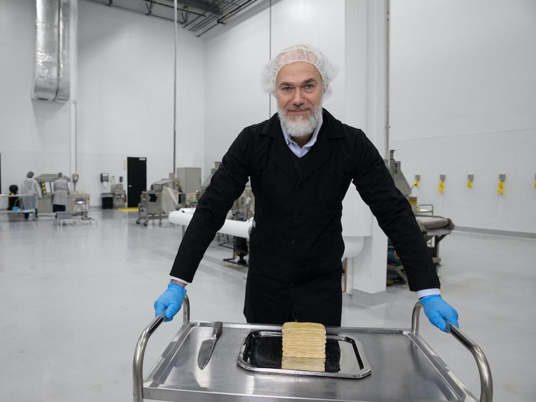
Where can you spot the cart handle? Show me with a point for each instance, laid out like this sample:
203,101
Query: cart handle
137,367
486,381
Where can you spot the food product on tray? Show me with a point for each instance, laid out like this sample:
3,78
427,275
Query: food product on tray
304,346
304,339
303,363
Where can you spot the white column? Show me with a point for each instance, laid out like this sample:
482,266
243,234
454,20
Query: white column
74,84
366,73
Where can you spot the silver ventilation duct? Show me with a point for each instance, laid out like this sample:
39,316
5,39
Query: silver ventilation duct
52,76
64,74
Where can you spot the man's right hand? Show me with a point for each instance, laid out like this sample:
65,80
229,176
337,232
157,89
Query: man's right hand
170,301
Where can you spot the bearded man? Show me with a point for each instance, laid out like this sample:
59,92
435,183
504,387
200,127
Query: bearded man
296,243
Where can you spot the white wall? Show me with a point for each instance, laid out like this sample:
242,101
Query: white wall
33,135
234,98
125,95
125,98
463,101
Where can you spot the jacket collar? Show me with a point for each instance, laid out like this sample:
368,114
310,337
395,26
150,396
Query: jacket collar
321,152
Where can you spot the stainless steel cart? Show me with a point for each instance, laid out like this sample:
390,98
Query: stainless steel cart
403,369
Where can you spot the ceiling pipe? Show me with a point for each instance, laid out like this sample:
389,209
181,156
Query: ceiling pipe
175,90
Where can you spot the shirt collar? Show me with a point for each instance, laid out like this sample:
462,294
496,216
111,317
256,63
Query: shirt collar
310,143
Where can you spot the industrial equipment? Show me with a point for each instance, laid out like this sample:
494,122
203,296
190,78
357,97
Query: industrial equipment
16,208
189,178
46,182
79,214
163,197
376,364
119,195
434,228
243,209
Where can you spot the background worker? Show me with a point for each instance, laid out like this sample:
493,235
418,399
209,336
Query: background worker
30,187
60,190
296,243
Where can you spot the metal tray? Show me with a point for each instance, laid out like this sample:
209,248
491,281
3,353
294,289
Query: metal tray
405,369
261,352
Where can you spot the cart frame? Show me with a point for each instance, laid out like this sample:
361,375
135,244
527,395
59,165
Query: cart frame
486,381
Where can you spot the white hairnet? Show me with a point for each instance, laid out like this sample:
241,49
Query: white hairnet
294,54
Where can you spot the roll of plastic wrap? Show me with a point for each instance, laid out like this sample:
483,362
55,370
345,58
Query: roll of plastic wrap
232,228
353,244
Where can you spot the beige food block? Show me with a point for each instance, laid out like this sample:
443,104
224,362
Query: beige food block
304,339
303,363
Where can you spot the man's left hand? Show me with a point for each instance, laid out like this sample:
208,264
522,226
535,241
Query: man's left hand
439,312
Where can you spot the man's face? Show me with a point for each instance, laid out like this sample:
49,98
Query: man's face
299,91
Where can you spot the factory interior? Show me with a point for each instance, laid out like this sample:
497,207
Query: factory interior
130,105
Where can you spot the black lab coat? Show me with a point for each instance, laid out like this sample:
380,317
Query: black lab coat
297,235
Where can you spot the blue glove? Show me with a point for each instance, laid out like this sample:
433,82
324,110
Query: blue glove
439,312
170,301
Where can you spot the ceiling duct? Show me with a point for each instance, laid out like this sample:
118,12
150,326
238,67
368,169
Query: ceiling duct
52,66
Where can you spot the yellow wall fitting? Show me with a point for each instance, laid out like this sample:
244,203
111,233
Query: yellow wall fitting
500,188
442,178
416,184
470,179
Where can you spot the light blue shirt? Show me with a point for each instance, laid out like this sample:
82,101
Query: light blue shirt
295,148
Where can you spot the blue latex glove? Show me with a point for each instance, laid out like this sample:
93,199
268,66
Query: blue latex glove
439,312
170,301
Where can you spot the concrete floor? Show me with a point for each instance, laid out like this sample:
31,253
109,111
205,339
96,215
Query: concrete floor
74,300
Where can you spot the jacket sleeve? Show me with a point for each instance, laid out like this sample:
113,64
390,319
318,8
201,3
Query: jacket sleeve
225,187
394,215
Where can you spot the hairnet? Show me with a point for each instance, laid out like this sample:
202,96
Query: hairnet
30,175
294,54
60,175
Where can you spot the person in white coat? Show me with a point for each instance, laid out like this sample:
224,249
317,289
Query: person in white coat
61,189
30,187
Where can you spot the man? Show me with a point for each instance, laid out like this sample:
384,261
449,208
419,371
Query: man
61,189
30,187
296,243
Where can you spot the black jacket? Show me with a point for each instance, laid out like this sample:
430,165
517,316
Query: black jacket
298,233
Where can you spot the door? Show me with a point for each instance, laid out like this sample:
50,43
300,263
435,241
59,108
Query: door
136,180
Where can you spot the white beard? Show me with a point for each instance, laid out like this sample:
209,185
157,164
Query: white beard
301,127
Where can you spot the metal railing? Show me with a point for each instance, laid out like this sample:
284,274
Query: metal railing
486,381
137,368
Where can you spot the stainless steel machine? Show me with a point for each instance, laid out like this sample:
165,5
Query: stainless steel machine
433,227
243,209
119,195
163,197
380,365
46,182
